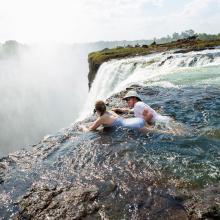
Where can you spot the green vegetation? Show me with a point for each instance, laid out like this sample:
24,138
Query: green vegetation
169,38
184,35
102,56
10,49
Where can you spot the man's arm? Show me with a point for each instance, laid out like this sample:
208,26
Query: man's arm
122,110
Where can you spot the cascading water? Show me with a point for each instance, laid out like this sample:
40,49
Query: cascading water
168,69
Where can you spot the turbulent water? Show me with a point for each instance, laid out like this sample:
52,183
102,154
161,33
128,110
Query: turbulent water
123,174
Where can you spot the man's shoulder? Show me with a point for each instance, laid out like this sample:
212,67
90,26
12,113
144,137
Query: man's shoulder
140,104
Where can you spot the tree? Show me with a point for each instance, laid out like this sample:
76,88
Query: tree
190,32
176,36
187,33
10,47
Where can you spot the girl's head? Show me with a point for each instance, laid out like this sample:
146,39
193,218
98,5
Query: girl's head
100,107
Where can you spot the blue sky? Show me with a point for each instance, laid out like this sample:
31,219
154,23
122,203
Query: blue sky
70,21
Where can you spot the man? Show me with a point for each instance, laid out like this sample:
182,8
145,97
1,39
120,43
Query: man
140,109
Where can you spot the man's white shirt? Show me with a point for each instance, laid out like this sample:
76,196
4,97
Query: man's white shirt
139,108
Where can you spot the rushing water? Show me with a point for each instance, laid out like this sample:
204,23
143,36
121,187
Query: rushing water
139,168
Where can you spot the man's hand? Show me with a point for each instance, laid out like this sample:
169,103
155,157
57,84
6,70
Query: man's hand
148,116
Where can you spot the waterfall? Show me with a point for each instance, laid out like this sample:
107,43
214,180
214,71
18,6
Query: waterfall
155,69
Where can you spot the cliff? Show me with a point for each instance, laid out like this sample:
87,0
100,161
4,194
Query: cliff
95,59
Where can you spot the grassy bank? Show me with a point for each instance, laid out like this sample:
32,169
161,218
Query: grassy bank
121,52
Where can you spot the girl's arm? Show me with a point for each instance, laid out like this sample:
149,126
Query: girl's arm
95,124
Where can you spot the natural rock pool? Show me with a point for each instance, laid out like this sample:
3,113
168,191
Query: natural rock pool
123,174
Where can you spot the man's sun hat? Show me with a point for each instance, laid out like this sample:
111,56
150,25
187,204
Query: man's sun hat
132,93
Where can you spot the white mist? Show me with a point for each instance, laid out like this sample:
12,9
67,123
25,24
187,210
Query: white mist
42,90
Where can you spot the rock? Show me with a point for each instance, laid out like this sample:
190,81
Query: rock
168,58
64,203
93,68
204,204
145,46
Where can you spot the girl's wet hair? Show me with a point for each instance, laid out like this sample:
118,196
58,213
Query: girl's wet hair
100,107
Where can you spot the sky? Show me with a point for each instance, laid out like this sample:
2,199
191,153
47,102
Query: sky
71,21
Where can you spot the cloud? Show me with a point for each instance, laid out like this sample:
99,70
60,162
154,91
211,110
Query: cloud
93,20
197,7
201,16
118,8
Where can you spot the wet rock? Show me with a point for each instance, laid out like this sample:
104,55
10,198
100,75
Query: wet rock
93,68
2,172
168,58
193,61
64,203
204,204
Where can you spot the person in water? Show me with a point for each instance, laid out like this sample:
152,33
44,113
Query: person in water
111,119
140,109
151,117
